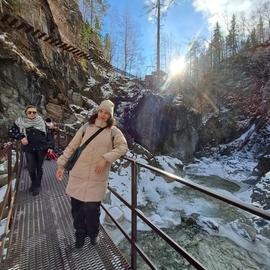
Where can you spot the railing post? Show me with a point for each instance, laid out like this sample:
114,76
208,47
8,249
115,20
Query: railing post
17,159
133,215
9,155
9,160
19,163
58,135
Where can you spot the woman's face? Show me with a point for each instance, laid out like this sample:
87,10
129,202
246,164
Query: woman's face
31,113
103,115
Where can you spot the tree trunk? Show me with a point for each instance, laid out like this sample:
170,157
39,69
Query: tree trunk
158,43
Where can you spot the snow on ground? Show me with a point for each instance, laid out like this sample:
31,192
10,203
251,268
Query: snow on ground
237,167
3,167
164,198
234,168
3,224
241,139
4,188
3,36
91,82
90,103
106,90
2,192
168,163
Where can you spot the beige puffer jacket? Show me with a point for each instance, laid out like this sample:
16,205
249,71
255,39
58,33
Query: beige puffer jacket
84,183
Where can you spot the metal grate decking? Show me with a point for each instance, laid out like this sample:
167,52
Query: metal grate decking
42,235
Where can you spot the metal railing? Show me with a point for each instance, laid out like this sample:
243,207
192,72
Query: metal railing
135,213
9,197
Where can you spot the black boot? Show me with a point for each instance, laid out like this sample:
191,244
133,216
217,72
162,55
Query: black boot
94,240
79,239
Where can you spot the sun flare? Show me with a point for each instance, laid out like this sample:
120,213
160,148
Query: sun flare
177,66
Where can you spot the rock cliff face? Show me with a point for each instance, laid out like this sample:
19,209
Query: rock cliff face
164,126
240,91
31,70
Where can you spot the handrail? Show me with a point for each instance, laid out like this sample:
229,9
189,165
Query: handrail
137,213
247,207
9,196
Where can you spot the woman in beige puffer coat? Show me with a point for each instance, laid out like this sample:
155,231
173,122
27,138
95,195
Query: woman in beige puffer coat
87,182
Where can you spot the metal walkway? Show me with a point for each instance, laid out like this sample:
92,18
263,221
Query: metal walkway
42,235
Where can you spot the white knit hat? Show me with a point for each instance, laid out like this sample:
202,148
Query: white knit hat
106,105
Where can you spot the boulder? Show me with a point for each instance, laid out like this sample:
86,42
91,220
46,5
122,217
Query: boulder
54,111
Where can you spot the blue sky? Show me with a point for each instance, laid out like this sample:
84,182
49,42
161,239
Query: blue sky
185,20
182,22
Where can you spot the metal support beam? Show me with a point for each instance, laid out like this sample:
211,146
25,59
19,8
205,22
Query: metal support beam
73,50
63,45
21,26
29,29
58,43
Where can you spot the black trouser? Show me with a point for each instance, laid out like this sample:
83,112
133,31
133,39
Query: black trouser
85,217
34,165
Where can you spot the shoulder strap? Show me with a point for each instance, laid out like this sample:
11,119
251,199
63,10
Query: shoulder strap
113,134
90,139
84,128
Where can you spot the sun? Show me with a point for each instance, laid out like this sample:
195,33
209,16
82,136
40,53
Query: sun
177,66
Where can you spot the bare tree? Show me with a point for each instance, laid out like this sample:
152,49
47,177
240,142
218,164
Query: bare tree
170,49
266,15
158,8
126,43
261,29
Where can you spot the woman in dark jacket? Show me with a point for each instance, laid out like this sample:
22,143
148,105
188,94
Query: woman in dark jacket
32,132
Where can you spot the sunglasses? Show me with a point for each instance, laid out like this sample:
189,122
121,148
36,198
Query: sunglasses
31,112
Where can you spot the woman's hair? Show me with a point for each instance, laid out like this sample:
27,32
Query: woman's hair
28,107
94,116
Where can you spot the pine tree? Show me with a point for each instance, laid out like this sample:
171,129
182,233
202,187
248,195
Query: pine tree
217,46
108,48
193,55
248,43
232,38
93,14
266,16
253,38
261,30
